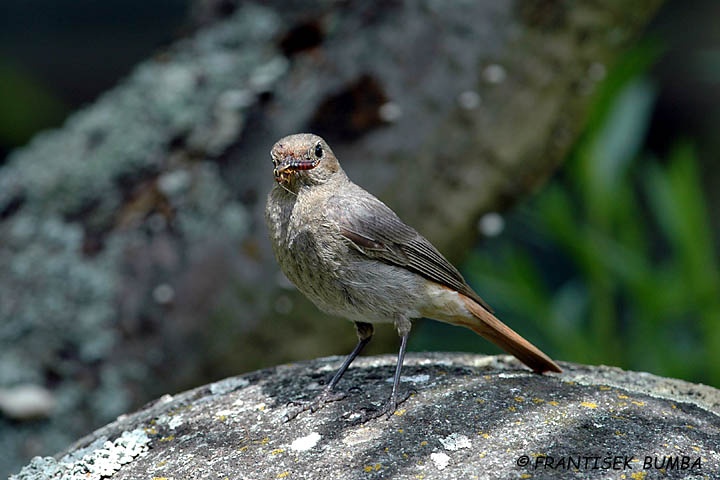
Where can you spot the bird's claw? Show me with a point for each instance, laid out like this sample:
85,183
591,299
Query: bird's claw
325,397
388,411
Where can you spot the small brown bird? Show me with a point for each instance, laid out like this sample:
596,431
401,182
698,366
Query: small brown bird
352,256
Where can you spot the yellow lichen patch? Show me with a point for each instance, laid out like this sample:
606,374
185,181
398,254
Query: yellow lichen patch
283,474
160,478
484,434
697,449
221,418
619,433
277,451
480,400
387,449
264,441
406,456
400,412
482,454
537,400
588,404
512,408
169,438
638,403
553,403
604,387
689,426
371,468
622,397
519,399
162,463
243,448
423,443
638,475
151,430
420,476
525,475
673,406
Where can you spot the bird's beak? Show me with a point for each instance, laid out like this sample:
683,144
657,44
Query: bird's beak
291,164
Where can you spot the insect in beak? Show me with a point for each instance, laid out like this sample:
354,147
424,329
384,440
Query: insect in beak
291,164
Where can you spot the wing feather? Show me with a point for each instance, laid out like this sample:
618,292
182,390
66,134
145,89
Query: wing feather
378,233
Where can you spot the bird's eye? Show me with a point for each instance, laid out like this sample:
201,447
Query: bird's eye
318,151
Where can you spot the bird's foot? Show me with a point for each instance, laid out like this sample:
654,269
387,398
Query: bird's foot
390,409
325,397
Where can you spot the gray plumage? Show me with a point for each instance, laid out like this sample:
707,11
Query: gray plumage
349,252
353,257
310,233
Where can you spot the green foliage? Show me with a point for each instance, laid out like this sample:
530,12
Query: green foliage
27,106
613,262
622,268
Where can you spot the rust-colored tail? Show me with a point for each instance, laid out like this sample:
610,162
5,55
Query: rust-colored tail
489,327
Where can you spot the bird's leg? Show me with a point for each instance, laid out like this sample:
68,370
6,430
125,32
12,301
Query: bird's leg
365,333
393,403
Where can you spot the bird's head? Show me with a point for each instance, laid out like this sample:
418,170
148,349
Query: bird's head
303,159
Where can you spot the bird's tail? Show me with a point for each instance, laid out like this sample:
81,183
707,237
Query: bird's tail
488,326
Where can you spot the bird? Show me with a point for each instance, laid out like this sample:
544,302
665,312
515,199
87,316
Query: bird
353,257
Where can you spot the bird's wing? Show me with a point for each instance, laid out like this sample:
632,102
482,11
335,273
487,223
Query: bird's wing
378,233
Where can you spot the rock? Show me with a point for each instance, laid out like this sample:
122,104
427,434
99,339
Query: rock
469,416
